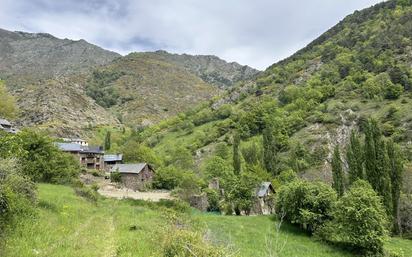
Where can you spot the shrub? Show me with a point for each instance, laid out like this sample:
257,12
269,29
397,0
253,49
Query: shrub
167,178
359,220
405,213
213,200
305,203
115,177
186,243
17,193
87,193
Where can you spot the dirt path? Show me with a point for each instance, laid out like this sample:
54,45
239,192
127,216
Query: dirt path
120,193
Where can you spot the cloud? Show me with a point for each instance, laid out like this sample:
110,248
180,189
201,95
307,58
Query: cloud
257,33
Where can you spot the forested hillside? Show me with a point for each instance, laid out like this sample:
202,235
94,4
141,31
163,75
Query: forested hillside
360,68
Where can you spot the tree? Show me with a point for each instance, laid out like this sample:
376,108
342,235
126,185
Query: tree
275,140
307,204
377,163
359,220
107,141
354,156
8,109
135,152
396,171
337,172
236,155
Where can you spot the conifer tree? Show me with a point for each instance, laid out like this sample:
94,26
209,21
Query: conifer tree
107,141
236,155
337,172
354,156
377,163
275,140
396,170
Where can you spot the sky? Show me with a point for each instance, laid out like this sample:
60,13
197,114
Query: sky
257,33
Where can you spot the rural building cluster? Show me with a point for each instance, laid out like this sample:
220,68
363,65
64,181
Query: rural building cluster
136,176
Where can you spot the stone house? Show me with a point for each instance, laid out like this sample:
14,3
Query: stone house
6,126
90,157
137,176
264,200
112,159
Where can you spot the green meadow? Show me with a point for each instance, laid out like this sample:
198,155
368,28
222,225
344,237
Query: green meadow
68,225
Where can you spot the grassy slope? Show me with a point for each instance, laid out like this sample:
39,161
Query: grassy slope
71,226
257,236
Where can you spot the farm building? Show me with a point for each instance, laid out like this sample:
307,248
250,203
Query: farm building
137,176
5,125
78,141
112,159
264,203
90,157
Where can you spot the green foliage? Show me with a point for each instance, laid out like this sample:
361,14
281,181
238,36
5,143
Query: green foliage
222,150
115,177
216,167
17,194
359,220
308,204
275,140
252,152
213,199
240,193
135,152
236,155
396,175
87,192
8,108
337,172
99,87
171,177
354,157
377,163
107,141
405,215
40,158
179,156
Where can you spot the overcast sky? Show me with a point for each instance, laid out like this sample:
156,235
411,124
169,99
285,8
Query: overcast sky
253,32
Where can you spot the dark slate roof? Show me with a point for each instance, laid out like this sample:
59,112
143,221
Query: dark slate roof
112,157
129,168
263,189
71,147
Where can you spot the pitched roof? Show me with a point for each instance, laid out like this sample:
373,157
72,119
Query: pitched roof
263,189
112,157
71,147
129,168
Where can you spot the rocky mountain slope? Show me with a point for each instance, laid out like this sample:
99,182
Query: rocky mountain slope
143,90
43,56
358,69
61,83
211,69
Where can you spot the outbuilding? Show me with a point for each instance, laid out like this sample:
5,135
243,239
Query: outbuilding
138,176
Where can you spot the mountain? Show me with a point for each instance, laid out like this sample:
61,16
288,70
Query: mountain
43,56
211,69
360,68
68,86
142,89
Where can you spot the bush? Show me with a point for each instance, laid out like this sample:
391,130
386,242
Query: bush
405,213
359,220
87,193
168,178
308,204
17,194
186,243
115,177
213,200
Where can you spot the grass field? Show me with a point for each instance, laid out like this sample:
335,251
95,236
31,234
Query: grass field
68,225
